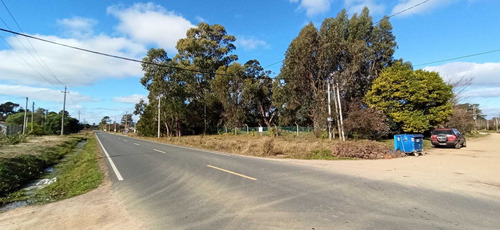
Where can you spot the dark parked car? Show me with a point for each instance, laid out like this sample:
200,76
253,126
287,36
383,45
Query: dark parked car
448,137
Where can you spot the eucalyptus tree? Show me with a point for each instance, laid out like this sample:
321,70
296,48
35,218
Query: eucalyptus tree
355,51
257,94
299,93
228,86
205,49
164,82
348,51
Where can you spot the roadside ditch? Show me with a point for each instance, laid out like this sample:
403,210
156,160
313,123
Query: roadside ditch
57,173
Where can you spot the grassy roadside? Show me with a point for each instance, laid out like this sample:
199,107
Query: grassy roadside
12,139
76,174
18,170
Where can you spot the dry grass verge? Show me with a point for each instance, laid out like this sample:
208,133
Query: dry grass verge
33,146
284,146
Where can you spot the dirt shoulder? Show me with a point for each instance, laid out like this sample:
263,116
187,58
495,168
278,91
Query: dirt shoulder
470,171
97,209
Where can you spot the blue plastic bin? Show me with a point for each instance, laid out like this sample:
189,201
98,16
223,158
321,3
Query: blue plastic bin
409,143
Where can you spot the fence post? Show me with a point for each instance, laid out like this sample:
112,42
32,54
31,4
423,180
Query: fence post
297,128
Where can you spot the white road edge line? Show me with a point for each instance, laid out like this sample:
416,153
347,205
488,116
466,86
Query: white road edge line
136,144
159,151
231,172
113,166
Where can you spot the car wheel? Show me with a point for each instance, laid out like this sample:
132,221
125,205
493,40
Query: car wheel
464,144
458,145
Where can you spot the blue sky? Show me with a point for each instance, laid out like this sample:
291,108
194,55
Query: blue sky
99,86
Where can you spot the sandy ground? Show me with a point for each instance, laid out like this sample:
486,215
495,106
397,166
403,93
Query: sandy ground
472,171
97,209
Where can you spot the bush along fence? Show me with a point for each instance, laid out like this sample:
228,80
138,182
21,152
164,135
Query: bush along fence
265,131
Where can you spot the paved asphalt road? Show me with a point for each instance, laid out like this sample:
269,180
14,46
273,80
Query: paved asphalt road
172,187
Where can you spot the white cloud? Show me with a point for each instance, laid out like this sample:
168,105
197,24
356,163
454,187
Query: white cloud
483,92
43,94
485,74
77,26
251,43
132,99
71,67
152,24
313,7
423,8
491,112
200,19
485,85
356,6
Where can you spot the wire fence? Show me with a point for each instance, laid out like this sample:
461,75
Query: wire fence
265,131
10,129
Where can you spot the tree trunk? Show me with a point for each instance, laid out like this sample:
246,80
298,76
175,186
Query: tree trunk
168,129
268,122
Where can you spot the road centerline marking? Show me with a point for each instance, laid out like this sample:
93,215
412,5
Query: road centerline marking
231,172
125,140
113,166
136,144
159,151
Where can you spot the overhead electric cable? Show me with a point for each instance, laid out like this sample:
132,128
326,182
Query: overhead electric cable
460,57
402,11
43,64
15,51
106,54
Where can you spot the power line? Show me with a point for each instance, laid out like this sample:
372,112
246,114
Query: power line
106,54
18,54
402,11
460,57
272,64
43,64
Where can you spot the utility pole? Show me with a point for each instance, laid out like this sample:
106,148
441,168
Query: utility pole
159,104
340,113
32,112
329,119
79,116
25,113
126,120
64,111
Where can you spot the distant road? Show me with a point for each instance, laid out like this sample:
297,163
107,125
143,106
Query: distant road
172,187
